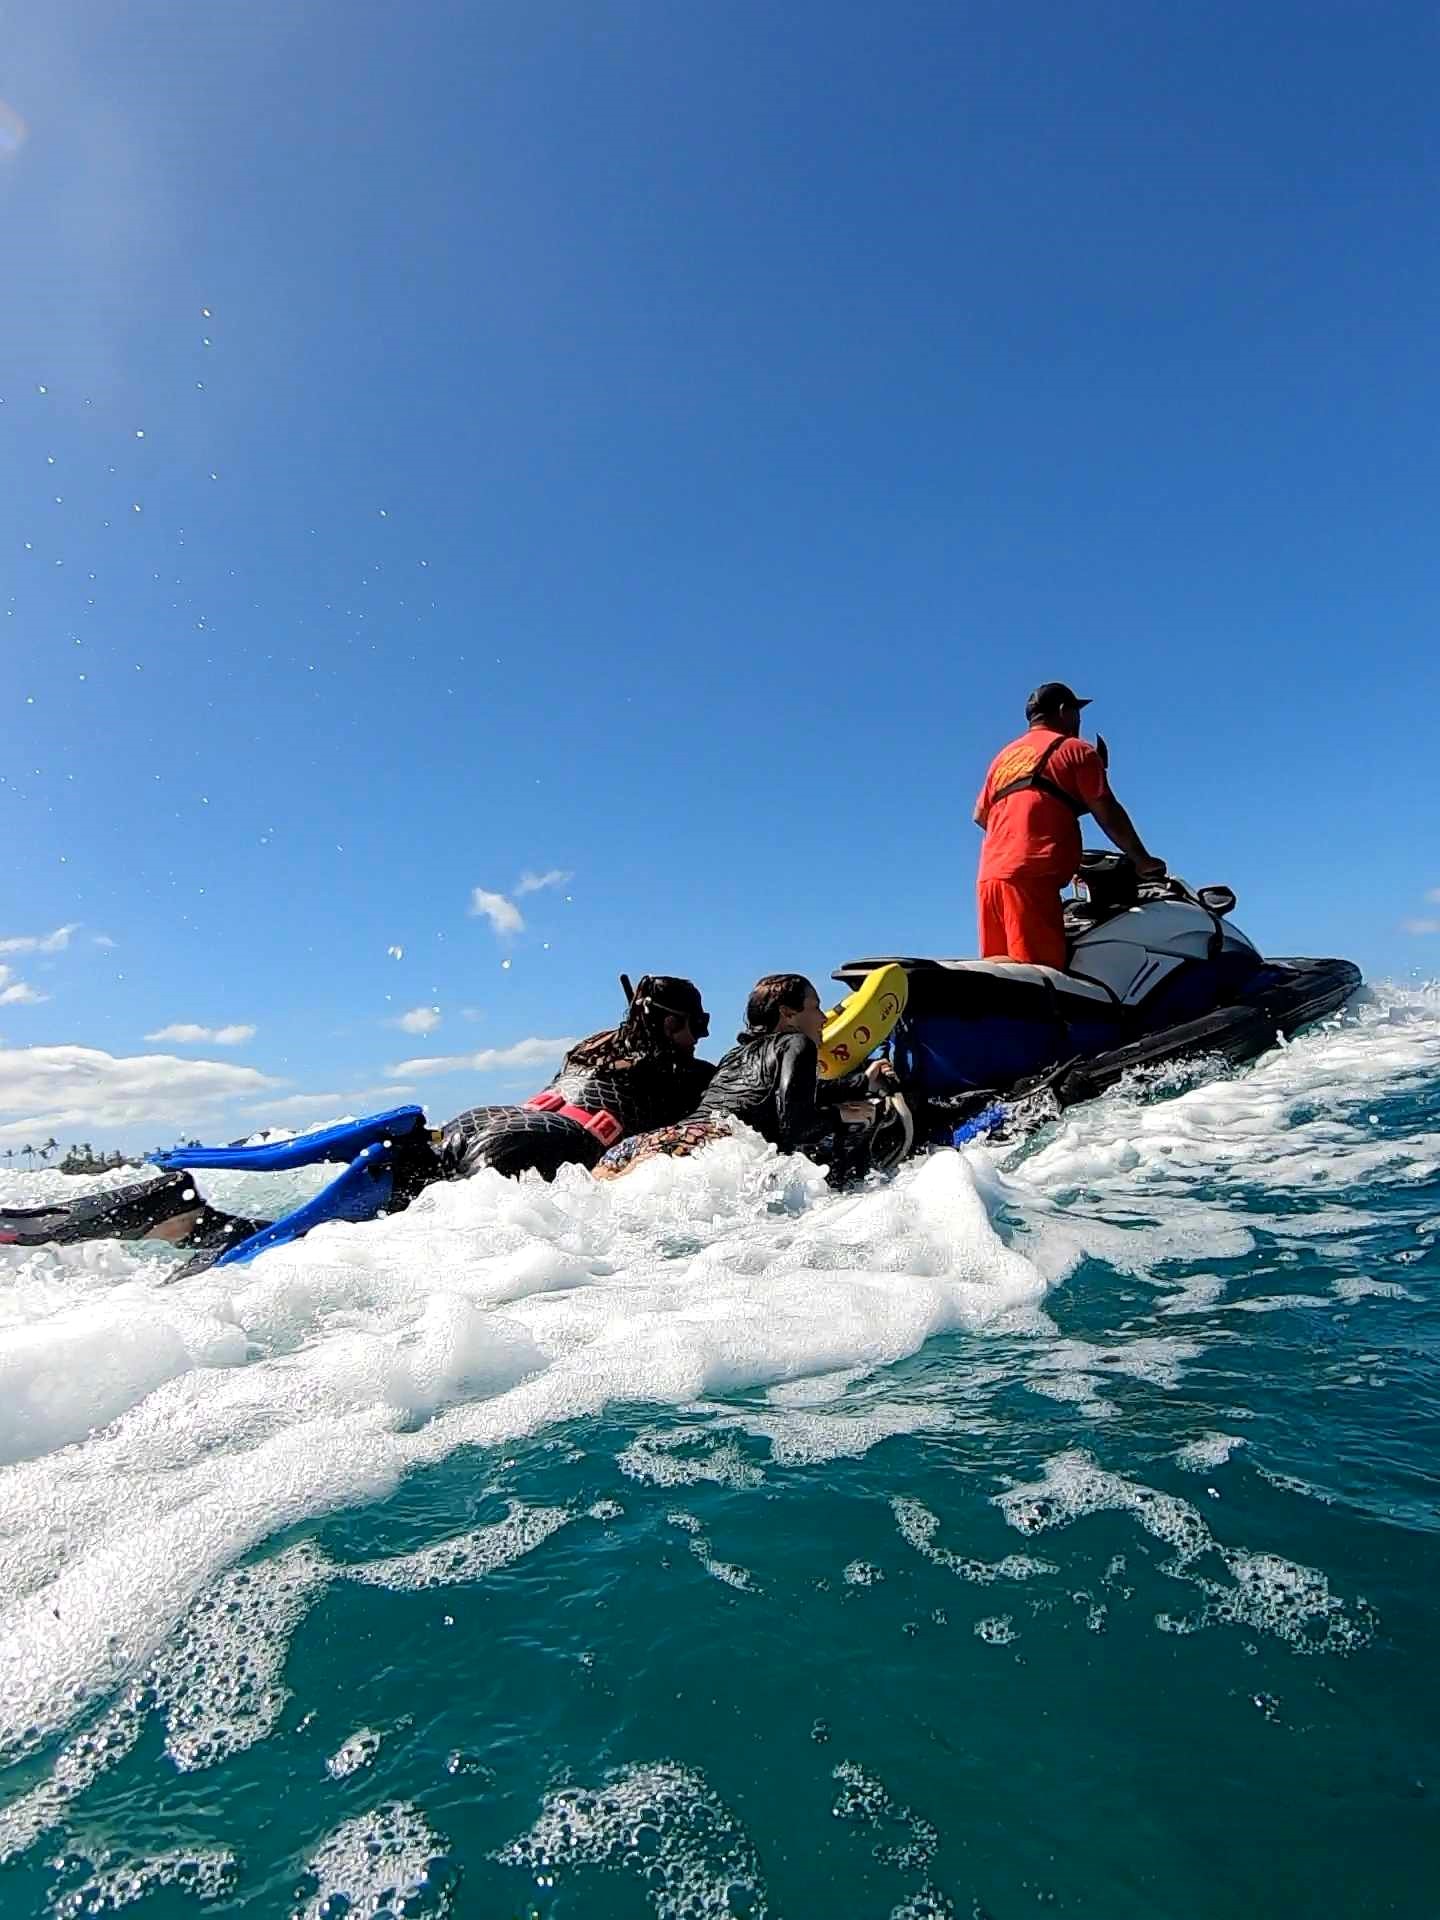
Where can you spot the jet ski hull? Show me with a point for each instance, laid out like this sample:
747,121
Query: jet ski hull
1302,992
1166,979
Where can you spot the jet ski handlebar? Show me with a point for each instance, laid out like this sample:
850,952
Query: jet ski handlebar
1109,881
1169,886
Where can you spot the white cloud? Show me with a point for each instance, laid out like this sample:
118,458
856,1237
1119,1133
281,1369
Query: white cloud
186,1033
502,913
1407,926
534,882
418,1020
1433,896
524,1053
102,940
82,1091
19,993
55,942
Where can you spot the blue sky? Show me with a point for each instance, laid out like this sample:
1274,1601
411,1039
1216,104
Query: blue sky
661,447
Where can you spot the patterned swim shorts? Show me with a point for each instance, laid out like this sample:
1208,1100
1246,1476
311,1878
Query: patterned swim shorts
677,1142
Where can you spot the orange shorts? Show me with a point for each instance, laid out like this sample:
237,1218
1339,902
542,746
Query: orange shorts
1022,920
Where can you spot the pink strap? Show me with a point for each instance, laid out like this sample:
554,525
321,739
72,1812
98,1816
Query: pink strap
605,1127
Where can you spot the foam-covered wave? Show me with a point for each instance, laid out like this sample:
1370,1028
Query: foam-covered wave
157,1434
1183,1163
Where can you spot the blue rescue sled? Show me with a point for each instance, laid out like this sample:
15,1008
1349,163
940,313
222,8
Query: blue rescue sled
363,1191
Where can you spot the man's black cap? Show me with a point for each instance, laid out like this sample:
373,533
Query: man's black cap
1049,697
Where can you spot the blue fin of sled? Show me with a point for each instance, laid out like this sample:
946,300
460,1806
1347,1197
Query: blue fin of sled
345,1142
361,1192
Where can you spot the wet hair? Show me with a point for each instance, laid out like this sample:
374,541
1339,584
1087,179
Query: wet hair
641,1034
767,997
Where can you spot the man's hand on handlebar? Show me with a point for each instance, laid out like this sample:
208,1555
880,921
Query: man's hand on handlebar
1150,868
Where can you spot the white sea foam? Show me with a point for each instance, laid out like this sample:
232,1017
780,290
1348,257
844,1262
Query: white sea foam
1137,1180
206,1416
919,1526
1360,1286
78,1765
470,1556
157,1434
353,1754
116,1881
661,1825
219,1679
1210,1450
1265,1592
376,1864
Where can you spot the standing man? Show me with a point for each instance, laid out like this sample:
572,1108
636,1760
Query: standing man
1030,807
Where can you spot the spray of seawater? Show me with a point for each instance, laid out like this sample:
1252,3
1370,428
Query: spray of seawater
154,1436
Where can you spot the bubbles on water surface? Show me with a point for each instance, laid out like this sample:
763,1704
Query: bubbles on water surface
353,1754
997,1630
662,1460
116,1881
1208,1451
389,1861
862,1573
918,1526
338,1324
469,1556
725,1571
899,1837
1269,1594
663,1825
218,1682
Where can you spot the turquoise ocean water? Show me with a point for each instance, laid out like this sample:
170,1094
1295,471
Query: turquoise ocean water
1052,1530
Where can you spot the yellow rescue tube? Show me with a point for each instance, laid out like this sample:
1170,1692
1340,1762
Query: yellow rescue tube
864,1020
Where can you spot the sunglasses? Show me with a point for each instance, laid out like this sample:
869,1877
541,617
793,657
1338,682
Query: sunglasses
698,1023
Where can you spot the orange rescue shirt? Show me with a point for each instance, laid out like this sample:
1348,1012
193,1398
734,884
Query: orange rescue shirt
1033,835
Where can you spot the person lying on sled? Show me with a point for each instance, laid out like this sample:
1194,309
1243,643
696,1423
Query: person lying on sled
770,1081
639,1075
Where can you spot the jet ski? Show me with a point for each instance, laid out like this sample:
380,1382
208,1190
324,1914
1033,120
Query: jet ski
1154,973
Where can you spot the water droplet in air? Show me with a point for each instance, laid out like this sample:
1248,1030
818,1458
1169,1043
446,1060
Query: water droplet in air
139,433
205,313
42,389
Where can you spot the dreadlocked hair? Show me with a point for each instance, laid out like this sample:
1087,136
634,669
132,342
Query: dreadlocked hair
641,1034
767,997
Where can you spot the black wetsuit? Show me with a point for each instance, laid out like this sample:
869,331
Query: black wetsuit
123,1213
641,1094
771,1082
